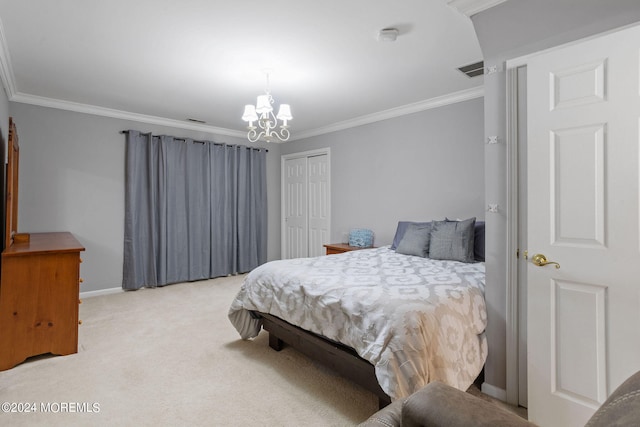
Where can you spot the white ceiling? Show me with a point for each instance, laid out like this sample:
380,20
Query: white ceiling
163,61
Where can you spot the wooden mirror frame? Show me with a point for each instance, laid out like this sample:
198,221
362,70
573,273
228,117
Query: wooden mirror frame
13,162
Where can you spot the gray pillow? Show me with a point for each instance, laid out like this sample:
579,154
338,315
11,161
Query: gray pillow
452,240
415,240
401,229
478,241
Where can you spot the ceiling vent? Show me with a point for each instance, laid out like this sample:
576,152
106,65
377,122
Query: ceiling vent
473,70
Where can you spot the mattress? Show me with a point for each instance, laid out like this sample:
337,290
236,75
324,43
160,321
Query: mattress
415,319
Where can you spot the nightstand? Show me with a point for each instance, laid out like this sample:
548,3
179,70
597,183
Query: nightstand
338,248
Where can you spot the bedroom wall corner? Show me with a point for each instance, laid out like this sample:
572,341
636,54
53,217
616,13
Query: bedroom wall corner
495,159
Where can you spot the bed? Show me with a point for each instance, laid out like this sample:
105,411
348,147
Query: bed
391,318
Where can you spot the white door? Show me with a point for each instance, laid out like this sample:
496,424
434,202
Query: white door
295,205
305,204
583,213
318,204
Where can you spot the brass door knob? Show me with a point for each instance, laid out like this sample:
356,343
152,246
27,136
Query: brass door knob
540,260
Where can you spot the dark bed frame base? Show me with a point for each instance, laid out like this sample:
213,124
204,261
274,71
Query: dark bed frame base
342,359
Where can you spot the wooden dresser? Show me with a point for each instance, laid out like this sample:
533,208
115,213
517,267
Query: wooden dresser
39,281
39,297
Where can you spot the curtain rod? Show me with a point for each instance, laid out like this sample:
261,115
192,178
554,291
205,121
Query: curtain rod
204,142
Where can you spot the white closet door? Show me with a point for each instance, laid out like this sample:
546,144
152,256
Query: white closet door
296,228
306,204
318,204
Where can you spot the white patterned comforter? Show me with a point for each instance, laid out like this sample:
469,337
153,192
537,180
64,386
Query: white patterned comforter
415,319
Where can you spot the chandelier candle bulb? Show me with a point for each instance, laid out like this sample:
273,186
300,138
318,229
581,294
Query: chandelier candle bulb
250,114
263,105
284,113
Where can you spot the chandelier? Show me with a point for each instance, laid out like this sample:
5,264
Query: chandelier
262,112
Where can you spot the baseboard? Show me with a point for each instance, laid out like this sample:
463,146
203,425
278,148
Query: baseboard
494,392
89,294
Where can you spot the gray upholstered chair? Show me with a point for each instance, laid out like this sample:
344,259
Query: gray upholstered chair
440,405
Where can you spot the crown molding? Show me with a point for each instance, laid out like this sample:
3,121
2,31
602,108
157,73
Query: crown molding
471,7
8,81
416,107
6,69
123,115
440,101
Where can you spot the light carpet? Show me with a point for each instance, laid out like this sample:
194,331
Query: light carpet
170,356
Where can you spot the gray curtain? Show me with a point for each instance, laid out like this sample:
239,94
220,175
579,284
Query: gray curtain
193,210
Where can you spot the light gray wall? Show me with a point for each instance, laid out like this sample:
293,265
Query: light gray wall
72,179
415,167
422,166
510,30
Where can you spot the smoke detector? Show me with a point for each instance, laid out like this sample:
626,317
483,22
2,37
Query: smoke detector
388,35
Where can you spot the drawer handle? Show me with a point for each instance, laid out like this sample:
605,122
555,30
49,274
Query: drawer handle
79,301
80,280
79,322
81,260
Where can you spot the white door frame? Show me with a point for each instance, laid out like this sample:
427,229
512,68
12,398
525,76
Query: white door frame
513,226
304,154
